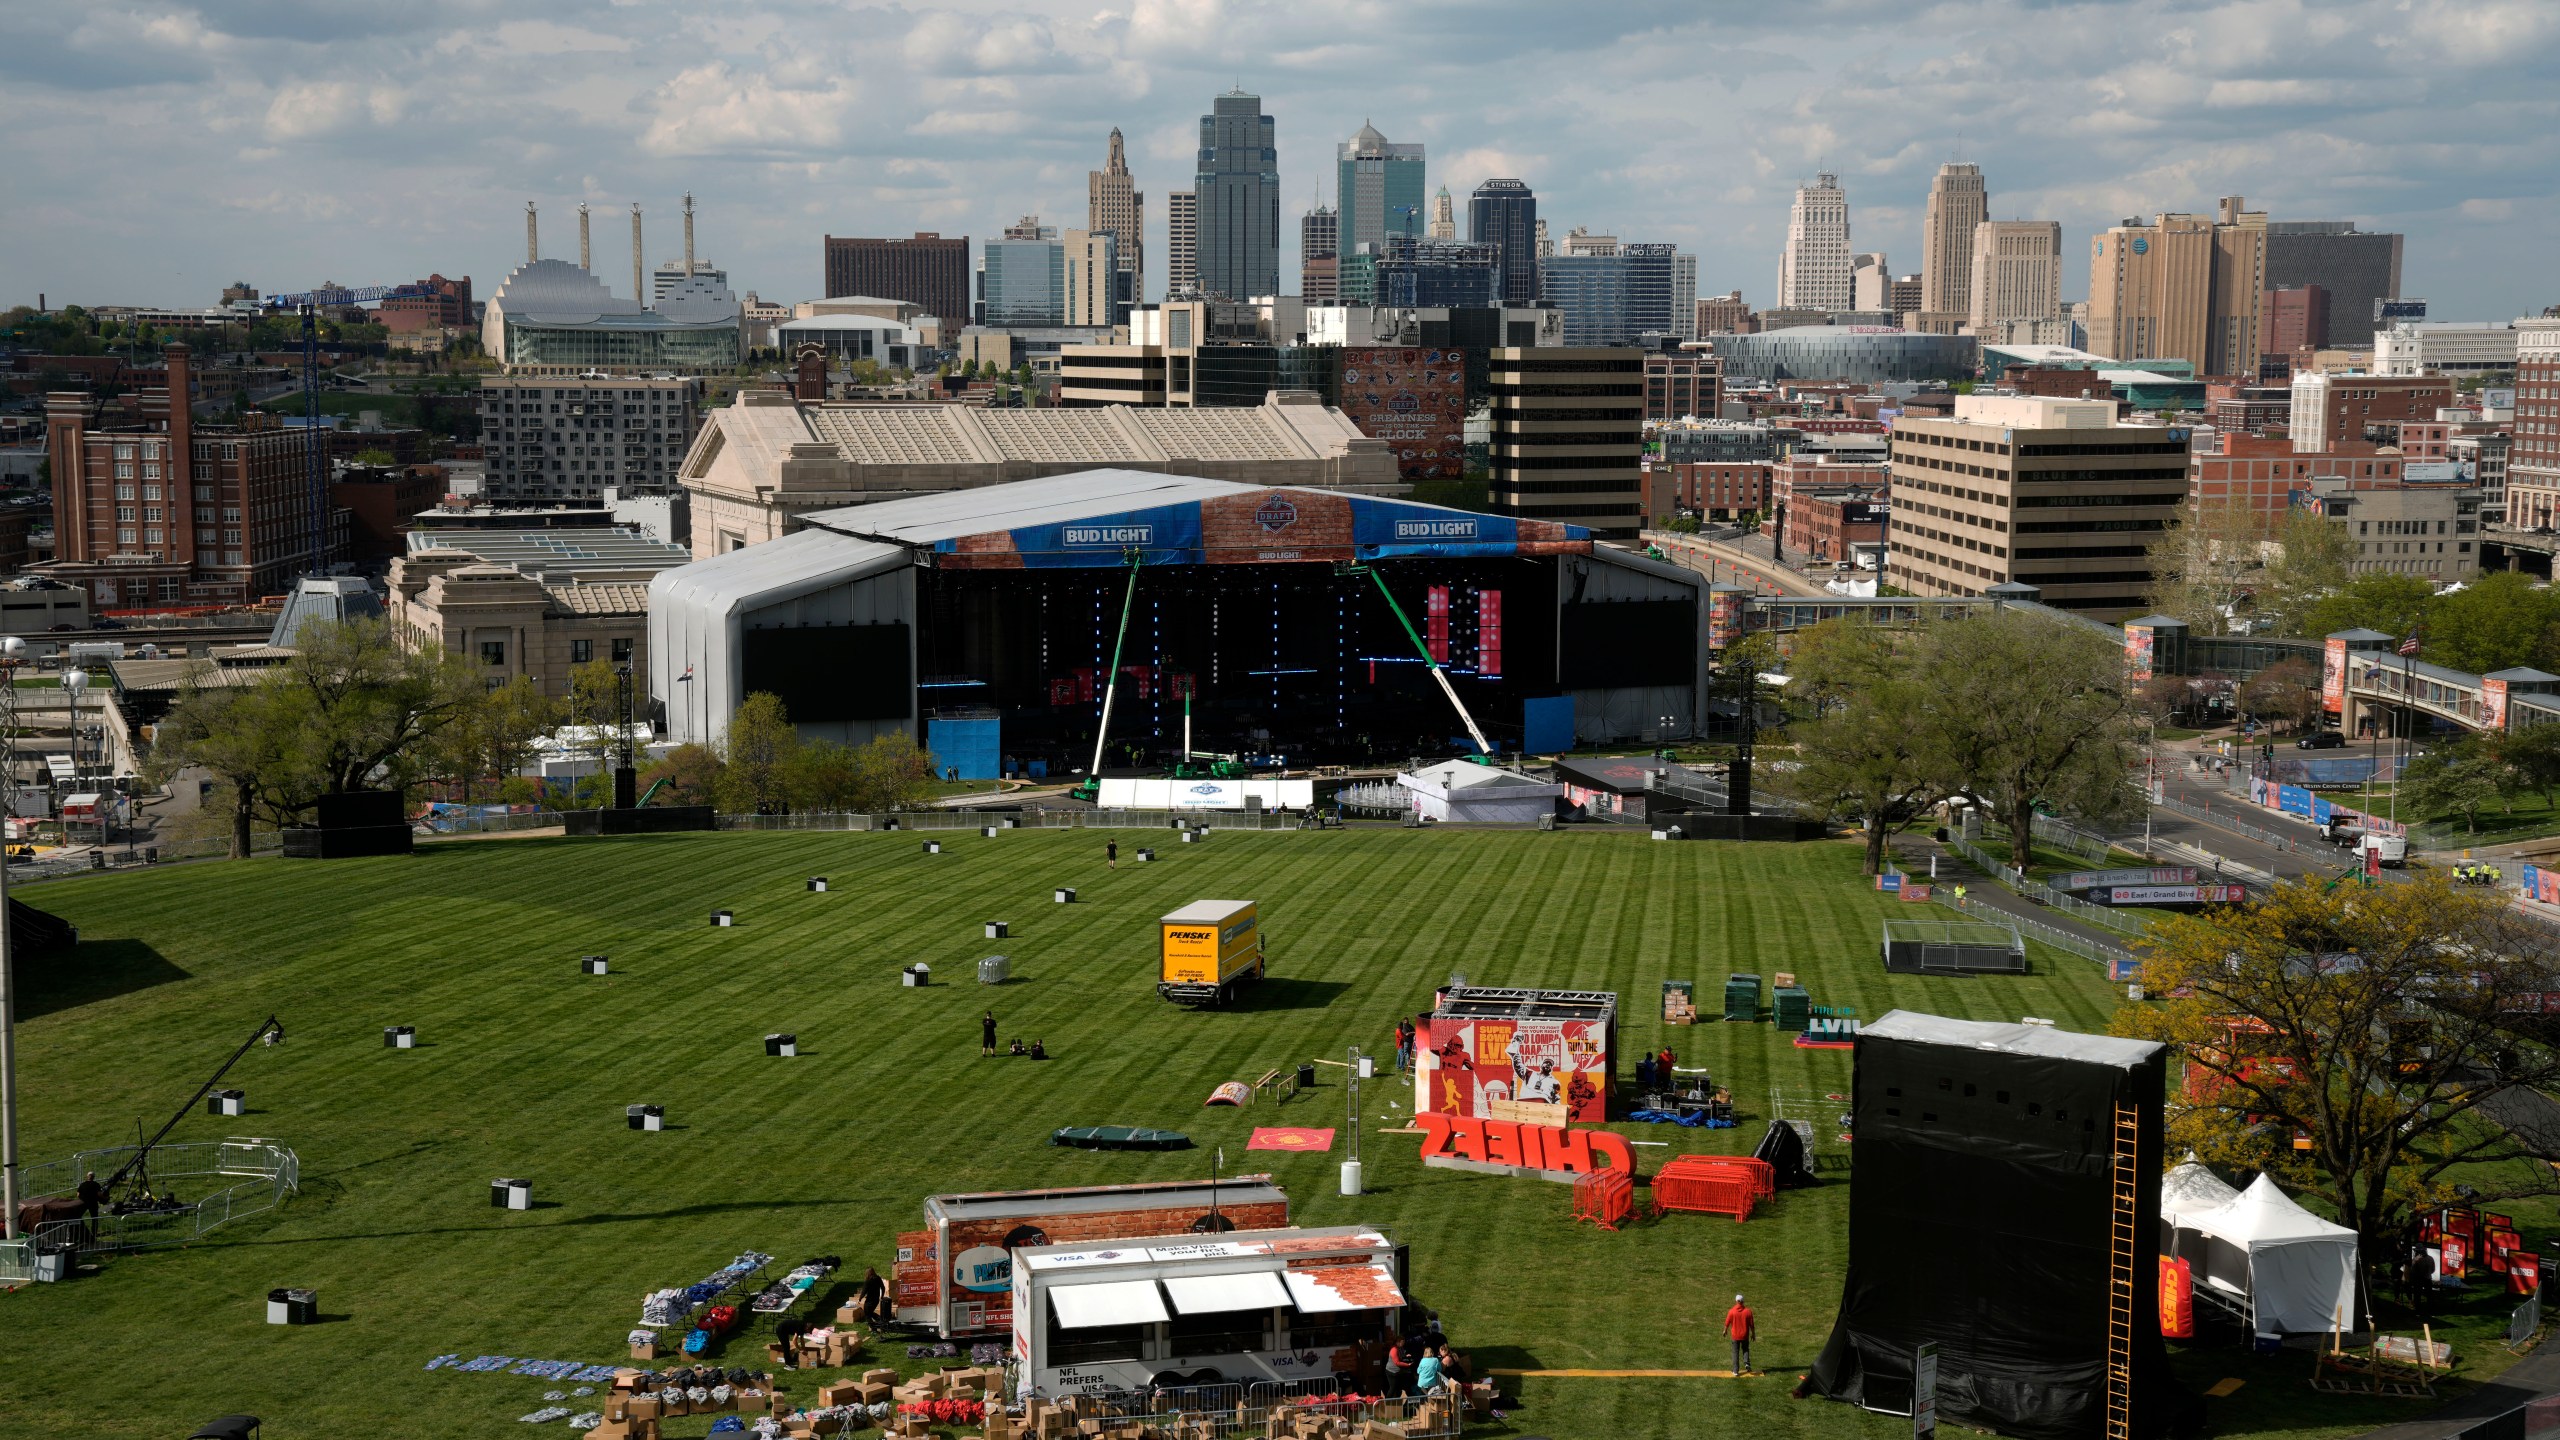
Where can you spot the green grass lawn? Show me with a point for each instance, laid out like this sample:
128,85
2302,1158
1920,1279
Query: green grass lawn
2528,815
525,1064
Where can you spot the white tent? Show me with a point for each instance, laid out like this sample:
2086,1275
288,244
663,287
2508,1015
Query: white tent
1464,791
2296,1271
2189,1189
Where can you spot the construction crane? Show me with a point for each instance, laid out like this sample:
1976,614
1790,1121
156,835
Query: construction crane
1091,789
1421,648
343,295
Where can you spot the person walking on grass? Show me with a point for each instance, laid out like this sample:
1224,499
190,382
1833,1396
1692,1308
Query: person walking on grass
987,1034
1111,854
1739,1324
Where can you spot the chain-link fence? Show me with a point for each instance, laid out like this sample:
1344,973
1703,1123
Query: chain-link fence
2043,894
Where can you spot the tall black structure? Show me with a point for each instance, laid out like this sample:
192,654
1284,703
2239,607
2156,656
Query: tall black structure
2356,267
1504,214
2005,1203
1238,185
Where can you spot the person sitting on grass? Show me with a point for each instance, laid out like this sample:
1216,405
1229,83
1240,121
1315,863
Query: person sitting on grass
1019,1048
1038,1051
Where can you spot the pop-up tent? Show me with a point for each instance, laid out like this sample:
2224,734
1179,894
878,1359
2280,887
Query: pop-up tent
2296,1271
2189,1189
1464,791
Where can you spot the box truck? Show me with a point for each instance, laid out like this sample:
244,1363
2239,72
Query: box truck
1208,950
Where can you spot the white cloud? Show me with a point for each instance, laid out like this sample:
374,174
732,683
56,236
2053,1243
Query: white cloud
1649,118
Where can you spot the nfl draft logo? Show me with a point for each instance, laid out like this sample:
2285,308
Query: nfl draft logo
1276,514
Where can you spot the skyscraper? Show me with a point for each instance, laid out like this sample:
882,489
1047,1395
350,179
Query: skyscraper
1238,193
1957,203
1504,215
1444,224
2017,273
1319,249
1870,281
1813,271
930,270
2185,286
1114,204
1380,189
2356,267
1181,244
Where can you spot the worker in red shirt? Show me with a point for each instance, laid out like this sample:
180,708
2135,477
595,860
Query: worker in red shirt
1738,1325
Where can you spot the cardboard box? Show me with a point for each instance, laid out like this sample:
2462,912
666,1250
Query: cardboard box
626,1379
841,1392
880,1377
647,1350
873,1392
611,1430
645,1407
849,1313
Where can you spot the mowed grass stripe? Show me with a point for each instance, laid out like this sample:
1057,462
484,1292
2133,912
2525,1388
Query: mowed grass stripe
527,1066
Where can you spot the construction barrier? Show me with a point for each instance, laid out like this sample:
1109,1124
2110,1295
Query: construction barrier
1605,1198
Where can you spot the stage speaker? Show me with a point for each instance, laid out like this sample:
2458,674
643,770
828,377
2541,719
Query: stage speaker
2018,1124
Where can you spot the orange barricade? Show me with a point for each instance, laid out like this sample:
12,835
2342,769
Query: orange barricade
2524,1272
1762,1175
1705,1192
1604,1197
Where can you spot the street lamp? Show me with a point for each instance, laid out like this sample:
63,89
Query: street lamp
12,653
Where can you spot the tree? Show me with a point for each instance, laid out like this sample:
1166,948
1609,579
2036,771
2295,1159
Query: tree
755,773
691,773
2392,604
2497,622
1837,659
1870,764
366,709
496,737
2531,755
822,776
2288,690
2029,713
2207,563
2377,1022
2307,562
234,734
2462,778
893,773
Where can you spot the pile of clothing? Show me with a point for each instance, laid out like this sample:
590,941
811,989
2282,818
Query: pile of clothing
542,1369
670,1307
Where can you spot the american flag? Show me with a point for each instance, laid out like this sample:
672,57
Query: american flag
2410,645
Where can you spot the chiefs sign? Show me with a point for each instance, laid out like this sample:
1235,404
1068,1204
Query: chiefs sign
1531,1147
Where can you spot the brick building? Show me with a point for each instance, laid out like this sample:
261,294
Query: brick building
2334,408
2533,461
2266,472
380,502
1720,490
2292,318
434,303
927,269
163,512
2248,409
1681,384
1726,314
1833,524
1801,476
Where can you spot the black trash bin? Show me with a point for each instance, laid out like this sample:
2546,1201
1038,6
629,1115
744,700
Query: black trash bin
1307,1076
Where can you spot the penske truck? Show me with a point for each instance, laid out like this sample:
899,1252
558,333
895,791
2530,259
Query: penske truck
1209,950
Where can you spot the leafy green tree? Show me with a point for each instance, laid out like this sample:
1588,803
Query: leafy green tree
2391,604
2494,623
2028,714
496,737
1872,764
367,710
2307,563
2288,690
691,773
893,772
823,777
757,756
235,734
2531,755
2462,778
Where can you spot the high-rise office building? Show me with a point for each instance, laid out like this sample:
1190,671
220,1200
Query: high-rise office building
1593,292
928,269
1094,290
1380,189
1238,192
1444,220
2185,286
1022,283
1319,252
1662,290
1453,274
1957,204
1813,271
1114,204
1181,245
1568,434
1546,245
1504,215
2294,316
1580,241
2356,267
2017,272
1030,228
1870,281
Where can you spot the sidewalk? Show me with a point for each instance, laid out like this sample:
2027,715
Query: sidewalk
1985,895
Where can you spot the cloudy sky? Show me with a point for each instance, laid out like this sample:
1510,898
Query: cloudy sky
158,148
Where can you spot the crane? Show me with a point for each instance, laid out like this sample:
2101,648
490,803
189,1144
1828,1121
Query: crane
1428,659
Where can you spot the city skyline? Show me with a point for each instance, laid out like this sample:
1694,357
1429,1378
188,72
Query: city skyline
418,151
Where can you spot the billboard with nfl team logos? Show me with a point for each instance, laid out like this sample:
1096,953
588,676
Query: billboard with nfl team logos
1413,397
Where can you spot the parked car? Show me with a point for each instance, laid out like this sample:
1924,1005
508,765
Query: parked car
2322,740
